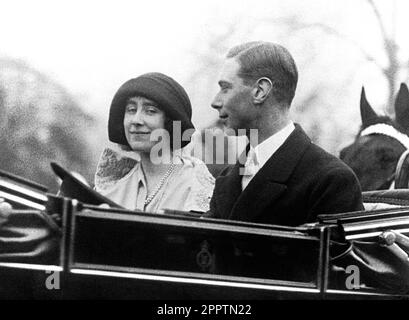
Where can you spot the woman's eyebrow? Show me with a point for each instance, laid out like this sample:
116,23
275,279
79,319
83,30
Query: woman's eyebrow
148,102
130,101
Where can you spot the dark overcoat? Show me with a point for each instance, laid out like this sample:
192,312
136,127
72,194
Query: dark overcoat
297,183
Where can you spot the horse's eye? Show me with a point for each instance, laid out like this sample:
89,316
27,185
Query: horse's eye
385,156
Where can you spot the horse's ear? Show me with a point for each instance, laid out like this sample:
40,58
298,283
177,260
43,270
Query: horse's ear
368,115
402,107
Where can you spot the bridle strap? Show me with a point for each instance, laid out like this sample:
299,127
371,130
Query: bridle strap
387,130
390,131
387,184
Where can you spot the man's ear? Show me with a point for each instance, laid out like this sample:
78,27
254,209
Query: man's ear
261,90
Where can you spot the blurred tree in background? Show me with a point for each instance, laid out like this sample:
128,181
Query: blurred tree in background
392,65
318,101
41,122
338,48
333,61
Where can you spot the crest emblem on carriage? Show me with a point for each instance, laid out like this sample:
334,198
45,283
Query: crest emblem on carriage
204,257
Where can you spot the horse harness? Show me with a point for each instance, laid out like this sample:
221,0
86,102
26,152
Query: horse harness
390,131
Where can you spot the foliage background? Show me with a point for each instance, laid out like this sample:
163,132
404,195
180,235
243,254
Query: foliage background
62,61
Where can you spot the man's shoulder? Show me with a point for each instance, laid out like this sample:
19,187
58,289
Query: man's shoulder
312,151
323,161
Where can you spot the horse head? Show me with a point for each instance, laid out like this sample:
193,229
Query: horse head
374,154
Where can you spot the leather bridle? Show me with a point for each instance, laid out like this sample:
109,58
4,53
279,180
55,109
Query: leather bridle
390,131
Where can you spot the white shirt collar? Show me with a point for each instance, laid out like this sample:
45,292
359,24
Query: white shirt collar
269,146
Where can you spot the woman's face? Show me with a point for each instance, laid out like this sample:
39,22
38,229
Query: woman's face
142,117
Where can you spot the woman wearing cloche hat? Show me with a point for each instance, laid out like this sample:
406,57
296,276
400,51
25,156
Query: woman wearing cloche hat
137,171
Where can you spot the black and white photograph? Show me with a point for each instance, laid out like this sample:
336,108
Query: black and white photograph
204,156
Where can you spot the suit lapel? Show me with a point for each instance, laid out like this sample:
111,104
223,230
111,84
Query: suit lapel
251,204
270,182
227,190
228,187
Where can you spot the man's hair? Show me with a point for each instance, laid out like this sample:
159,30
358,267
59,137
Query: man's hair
265,59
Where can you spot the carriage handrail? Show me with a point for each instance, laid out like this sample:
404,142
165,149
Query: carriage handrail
402,171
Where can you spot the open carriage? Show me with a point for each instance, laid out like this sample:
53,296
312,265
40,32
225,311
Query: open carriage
56,247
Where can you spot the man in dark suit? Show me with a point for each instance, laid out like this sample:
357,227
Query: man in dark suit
283,178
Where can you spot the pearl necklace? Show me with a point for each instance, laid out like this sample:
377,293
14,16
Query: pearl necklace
160,184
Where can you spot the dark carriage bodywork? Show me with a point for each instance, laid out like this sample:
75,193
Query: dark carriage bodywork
118,254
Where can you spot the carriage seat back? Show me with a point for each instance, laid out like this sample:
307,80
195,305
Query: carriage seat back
384,199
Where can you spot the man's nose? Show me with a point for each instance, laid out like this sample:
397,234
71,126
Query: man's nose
216,103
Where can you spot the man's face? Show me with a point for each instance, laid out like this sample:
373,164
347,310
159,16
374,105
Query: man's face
233,101
142,117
